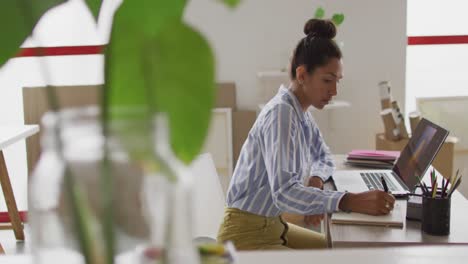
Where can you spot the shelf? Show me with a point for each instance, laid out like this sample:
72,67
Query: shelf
280,74
334,104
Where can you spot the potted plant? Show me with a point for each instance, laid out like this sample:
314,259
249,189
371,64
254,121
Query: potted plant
154,63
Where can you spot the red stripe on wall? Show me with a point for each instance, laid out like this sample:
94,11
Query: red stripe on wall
99,49
61,51
438,40
5,218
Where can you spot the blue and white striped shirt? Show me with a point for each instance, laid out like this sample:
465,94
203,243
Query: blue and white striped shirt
283,149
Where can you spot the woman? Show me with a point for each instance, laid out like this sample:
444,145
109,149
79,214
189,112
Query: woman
284,161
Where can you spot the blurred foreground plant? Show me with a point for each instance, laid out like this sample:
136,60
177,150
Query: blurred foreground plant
154,63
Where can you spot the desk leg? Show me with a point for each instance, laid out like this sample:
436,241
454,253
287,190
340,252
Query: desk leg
326,231
10,200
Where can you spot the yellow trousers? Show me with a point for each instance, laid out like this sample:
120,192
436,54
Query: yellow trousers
254,232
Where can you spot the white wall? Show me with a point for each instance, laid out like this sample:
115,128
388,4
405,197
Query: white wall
69,24
257,36
261,34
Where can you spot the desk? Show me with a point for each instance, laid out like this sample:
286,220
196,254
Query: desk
10,134
410,234
407,255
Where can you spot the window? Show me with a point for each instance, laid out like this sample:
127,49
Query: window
437,52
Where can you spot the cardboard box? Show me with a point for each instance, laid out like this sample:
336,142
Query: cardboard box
443,162
242,122
226,95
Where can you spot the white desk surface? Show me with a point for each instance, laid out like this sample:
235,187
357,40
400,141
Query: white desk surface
10,134
410,234
405,255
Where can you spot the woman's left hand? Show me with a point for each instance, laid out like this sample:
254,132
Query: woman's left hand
316,181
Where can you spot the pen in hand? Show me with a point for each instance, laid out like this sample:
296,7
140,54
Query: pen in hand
384,183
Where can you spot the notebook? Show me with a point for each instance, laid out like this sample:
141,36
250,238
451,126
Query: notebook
394,219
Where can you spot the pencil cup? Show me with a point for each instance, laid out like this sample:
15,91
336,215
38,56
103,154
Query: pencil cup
436,216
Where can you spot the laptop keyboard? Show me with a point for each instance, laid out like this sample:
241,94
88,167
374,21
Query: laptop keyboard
373,181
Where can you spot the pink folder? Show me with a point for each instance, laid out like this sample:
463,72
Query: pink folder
373,154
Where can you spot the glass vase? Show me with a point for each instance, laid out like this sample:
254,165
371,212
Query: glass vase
148,191
72,150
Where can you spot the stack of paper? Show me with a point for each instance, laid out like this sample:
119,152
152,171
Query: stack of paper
379,159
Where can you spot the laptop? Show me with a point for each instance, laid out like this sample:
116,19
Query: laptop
412,164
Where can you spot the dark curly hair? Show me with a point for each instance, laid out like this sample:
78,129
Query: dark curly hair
317,47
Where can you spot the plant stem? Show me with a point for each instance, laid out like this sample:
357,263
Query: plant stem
107,183
107,204
82,215
80,210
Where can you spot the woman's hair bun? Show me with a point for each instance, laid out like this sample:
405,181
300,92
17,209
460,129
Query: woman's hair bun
320,28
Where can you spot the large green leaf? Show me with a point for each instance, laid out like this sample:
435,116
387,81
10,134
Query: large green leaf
135,24
185,86
155,63
94,6
17,20
149,16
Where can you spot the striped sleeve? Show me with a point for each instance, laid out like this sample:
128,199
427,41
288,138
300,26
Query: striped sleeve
280,151
322,161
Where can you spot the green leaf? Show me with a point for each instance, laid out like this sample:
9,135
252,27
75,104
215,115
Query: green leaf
184,79
338,19
149,16
135,24
17,20
160,65
231,3
319,13
94,6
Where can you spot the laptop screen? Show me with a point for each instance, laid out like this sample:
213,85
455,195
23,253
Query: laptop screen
419,152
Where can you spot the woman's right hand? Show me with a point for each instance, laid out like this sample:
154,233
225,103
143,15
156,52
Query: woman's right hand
374,202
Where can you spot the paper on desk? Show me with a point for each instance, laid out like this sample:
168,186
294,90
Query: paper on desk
394,219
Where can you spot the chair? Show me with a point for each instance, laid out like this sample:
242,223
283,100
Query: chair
208,198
